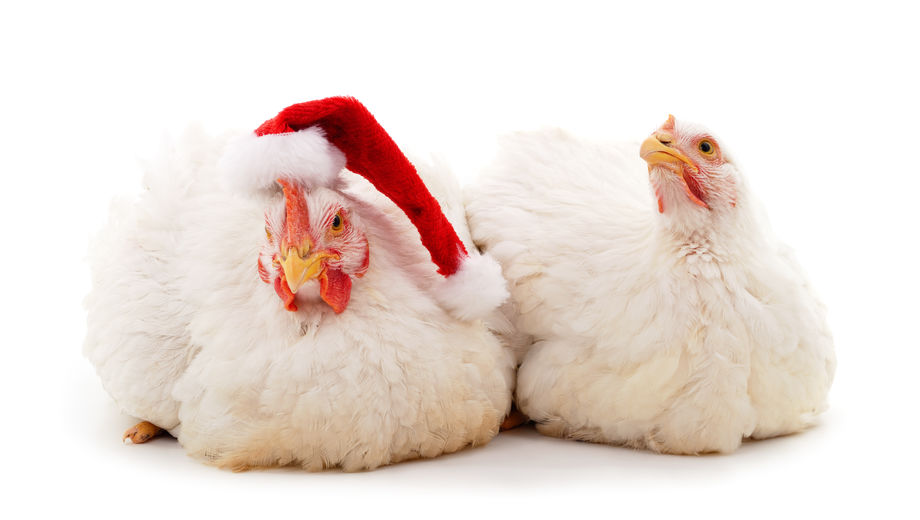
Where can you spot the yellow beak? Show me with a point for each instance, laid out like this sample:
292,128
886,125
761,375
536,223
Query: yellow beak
300,266
654,151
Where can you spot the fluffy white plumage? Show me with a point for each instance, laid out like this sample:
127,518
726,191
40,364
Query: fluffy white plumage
682,332
184,334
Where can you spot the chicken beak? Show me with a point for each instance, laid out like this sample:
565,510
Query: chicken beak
654,151
300,266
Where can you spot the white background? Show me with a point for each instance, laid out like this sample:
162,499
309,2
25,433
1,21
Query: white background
819,102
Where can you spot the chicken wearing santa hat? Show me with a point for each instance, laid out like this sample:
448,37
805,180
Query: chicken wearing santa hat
298,296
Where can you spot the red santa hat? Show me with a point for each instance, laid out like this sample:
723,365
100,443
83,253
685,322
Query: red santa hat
312,142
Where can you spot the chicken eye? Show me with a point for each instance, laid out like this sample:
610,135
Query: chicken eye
706,147
337,223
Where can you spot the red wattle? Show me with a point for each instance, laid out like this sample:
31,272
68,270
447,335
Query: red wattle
335,289
693,189
284,292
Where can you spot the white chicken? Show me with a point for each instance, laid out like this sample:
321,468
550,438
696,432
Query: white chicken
280,310
669,319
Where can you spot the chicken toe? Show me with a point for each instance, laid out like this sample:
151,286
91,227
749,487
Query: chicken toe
141,433
514,419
